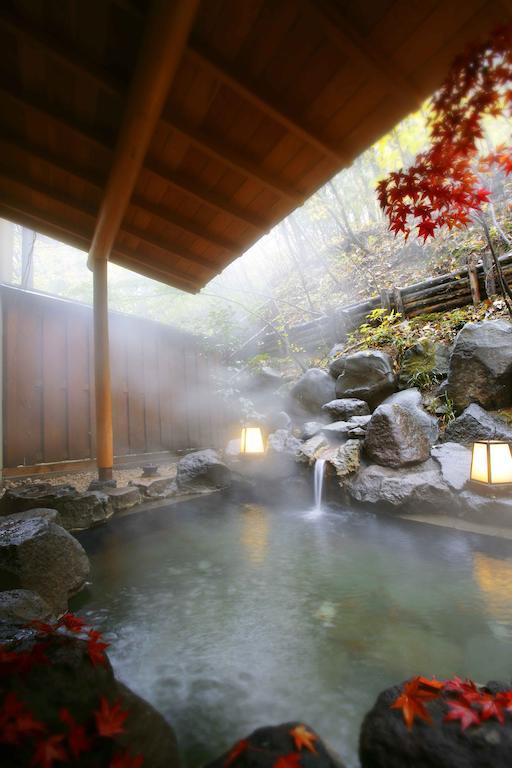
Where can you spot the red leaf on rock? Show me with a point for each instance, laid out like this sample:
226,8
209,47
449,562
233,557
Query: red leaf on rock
291,760
465,688
42,626
96,648
411,701
235,752
49,751
110,718
77,738
463,712
72,622
124,760
491,707
303,738
16,720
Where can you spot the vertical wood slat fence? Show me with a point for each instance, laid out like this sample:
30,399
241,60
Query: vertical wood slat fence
163,384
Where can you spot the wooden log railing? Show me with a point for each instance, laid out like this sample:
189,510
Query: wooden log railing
454,289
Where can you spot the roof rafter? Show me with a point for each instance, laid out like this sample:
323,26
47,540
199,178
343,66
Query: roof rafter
138,202
62,199
264,103
346,36
180,182
165,37
225,154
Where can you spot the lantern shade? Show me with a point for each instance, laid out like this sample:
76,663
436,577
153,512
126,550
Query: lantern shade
491,463
251,441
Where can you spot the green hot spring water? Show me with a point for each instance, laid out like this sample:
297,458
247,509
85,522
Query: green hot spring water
231,616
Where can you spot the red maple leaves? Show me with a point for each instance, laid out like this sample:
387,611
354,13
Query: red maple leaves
466,702
442,188
301,738
110,718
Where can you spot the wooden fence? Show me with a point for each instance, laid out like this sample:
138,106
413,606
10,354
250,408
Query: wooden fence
449,291
163,384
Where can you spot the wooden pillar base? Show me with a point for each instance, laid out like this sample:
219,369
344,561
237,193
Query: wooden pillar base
104,473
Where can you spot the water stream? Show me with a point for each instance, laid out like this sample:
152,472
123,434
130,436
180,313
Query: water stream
319,483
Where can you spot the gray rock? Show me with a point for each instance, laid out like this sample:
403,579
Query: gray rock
455,463
356,433
267,745
232,449
314,388
476,424
311,428
346,459
20,606
202,470
77,511
337,430
279,420
400,433
312,448
411,489
124,498
70,681
424,363
364,375
161,488
41,556
344,408
485,508
386,742
282,442
48,514
481,365
359,421
101,485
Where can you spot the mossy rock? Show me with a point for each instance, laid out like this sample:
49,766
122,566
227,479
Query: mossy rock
424,364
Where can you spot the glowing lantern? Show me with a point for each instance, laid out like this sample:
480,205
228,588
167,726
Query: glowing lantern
251,441
491,464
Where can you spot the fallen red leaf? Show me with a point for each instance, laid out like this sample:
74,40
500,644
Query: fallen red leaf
77,738
411,701
124,760
235,752
96,650
291,760
303,738
49,751
72,622
16,720
463,712
110,718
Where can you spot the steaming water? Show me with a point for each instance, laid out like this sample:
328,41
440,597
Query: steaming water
229,617
319,483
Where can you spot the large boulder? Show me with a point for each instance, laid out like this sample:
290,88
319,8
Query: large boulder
410,489
124,498
455,463
65,679
278,745
425,363
202,471
476,424
314,388
159,488
77,511
366,375
20,606
338,430
400,432
344,408
386,742
481,365
311,428
345,460
312,449
281,442
40,555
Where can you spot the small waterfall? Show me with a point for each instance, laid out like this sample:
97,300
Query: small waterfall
319,483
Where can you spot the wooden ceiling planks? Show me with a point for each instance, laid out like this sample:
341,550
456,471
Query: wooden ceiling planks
270,99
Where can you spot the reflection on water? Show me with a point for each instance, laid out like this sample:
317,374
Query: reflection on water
494,577
229,618
254,535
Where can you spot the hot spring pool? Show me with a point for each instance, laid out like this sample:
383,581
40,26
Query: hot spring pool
227,616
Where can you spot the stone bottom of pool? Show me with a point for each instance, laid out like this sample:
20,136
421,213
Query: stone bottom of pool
230,616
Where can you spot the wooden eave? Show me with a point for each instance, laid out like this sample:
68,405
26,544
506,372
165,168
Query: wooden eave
269,99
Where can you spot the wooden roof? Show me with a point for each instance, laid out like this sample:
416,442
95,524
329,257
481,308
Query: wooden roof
270,98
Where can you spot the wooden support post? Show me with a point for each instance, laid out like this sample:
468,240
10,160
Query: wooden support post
104,436
473,280
399,302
